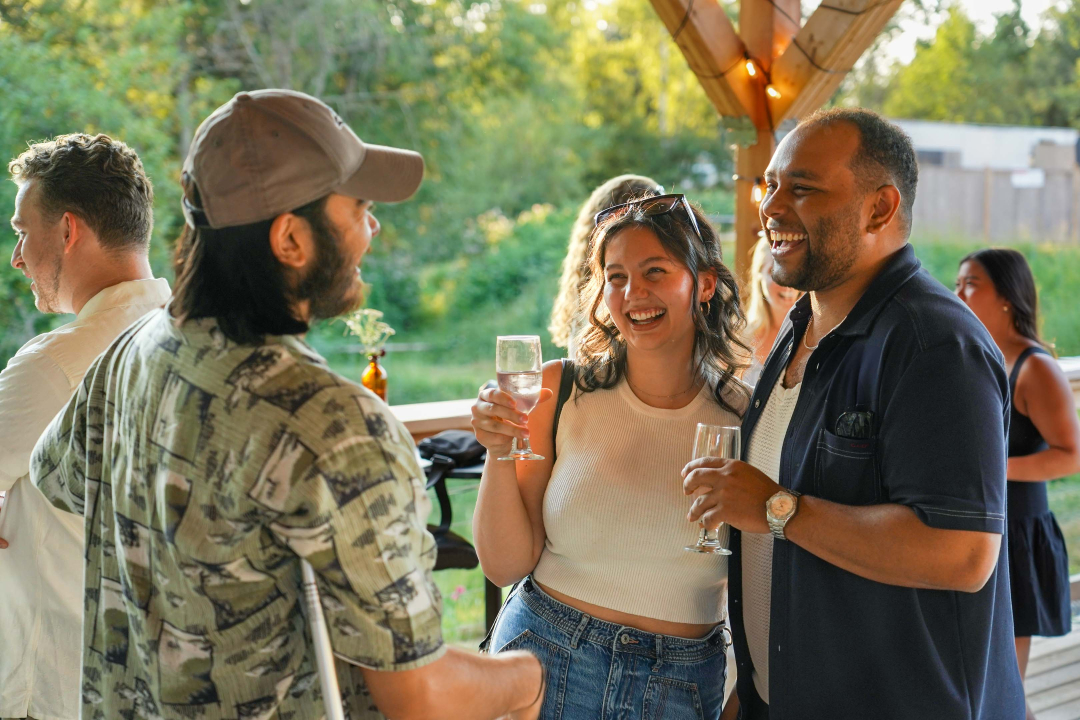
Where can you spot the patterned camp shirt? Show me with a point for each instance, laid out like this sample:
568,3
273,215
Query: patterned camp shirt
205,471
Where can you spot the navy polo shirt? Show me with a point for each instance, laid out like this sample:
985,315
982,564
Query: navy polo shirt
930,387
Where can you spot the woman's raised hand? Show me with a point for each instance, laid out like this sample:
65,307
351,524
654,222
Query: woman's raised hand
497,421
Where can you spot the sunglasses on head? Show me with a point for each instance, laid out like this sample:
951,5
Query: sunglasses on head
655,205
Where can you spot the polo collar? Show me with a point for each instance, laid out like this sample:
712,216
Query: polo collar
900,268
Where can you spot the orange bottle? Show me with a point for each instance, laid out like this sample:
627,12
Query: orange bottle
374,377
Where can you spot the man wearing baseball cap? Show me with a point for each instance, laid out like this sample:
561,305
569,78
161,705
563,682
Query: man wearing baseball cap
210,450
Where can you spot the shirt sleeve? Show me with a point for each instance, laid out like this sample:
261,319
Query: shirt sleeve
33,389
58,465
359,519
943,436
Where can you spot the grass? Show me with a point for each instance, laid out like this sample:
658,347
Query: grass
462,590
1065,502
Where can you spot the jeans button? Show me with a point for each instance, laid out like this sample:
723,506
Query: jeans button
625,640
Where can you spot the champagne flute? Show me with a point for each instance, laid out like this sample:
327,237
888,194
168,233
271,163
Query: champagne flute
714,441
517,367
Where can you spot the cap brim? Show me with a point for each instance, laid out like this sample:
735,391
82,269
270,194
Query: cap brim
386,175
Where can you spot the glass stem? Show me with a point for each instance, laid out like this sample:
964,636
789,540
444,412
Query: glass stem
513,446
704,534
526,449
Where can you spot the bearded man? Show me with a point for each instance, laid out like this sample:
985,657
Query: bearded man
211,450
868,577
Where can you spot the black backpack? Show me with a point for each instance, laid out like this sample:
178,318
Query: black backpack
448,450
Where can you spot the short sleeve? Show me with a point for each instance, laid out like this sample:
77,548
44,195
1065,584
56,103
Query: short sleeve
359,519
33,388
58,465
943,438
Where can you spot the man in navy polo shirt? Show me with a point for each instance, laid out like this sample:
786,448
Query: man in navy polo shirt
869,577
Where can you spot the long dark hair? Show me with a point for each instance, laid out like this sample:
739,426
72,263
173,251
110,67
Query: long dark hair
231,274
1012,278
718,346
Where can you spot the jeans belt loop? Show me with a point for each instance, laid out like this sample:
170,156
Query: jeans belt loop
659,652
580,631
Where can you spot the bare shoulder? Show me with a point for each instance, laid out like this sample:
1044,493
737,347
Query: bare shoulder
552,374
1040,378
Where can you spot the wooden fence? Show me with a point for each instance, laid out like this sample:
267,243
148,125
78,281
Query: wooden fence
1041,205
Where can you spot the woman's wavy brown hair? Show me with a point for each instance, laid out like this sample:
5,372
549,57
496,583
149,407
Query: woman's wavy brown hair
575,267
719,350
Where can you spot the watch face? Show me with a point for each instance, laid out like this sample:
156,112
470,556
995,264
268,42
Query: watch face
781,505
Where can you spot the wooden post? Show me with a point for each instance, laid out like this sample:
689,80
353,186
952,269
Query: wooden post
766,28
750,163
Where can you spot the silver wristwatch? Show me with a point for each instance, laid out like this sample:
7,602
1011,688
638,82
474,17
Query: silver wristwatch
779,509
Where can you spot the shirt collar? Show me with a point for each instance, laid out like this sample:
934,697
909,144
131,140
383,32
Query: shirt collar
900,268
153,293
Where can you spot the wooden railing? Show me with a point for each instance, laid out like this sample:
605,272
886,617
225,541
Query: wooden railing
424,419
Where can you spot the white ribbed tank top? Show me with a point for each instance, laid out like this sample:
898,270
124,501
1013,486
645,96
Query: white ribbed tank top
615,512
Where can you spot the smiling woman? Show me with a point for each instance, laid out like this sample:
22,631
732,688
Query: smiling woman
659,284
656,359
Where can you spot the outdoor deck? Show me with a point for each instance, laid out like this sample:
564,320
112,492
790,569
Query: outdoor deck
1053,676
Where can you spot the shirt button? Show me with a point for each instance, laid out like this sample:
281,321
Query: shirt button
818,366
757,403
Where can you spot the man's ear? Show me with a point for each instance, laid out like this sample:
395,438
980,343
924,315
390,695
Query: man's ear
73,231
291,241
886,205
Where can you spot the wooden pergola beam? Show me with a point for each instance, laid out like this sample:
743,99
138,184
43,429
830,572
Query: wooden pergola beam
803,65
714,52
823,52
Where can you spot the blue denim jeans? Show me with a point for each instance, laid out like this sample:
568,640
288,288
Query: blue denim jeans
598,670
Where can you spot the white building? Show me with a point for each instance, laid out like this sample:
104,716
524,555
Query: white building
997,147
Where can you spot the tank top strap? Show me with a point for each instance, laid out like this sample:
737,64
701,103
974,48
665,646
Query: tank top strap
1020,360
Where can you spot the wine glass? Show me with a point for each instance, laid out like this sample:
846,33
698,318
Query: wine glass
517,367
714,441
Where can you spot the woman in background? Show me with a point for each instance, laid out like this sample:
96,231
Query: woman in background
1044,441
767,305
565,313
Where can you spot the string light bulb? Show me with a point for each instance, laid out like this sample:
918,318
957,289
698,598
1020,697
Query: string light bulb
757,194
772,92
751,68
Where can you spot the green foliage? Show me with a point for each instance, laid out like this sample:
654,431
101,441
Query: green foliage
1057,274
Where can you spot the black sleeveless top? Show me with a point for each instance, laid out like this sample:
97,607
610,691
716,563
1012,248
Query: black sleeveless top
1025,499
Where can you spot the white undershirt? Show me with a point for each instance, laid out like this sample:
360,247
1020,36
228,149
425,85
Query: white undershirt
766,445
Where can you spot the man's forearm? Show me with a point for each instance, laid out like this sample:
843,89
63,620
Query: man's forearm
889,544
459,686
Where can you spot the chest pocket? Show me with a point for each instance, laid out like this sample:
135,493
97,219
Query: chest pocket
846,470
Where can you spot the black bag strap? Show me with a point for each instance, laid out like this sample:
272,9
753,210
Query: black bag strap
566,388
441,465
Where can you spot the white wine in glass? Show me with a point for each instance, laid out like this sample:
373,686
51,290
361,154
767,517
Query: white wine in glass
722,442
518,368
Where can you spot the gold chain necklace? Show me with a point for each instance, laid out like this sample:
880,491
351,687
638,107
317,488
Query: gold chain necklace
662,397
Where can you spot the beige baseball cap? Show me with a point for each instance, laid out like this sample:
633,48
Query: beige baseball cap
267,152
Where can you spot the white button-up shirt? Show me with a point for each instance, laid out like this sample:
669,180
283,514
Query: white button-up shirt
41,572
